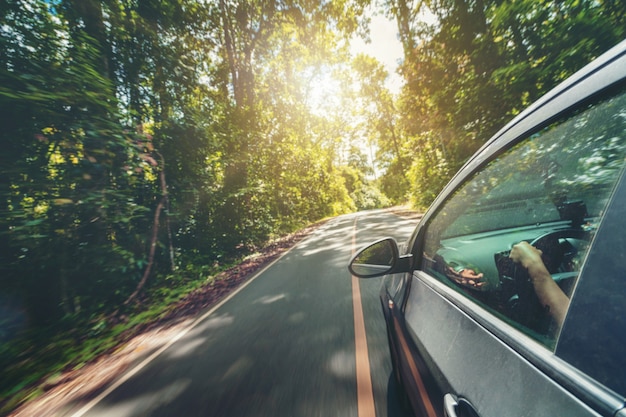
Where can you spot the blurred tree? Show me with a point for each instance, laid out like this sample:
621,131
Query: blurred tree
66,206
475,64
142,136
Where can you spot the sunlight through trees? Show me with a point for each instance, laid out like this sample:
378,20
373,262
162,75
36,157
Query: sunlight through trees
148,143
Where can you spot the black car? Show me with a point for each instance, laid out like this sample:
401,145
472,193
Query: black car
509,298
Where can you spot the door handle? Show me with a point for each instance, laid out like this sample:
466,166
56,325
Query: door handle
453,407
449,405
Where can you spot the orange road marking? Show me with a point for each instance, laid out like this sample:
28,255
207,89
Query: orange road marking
365,392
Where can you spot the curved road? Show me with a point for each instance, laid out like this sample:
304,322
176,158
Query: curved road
283,345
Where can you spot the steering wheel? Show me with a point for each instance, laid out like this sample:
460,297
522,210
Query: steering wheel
557,251
554,250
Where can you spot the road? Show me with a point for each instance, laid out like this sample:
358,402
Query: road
283,345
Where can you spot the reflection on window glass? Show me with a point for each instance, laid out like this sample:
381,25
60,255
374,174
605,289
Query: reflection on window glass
550,191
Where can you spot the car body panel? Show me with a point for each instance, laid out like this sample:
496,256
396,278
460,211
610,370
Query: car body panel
484,370
411,372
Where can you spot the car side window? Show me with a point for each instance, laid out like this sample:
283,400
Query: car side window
514,236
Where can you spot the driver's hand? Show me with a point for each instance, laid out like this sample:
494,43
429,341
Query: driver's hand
526,254
466,277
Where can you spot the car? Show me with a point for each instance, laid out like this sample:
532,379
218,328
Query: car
509,298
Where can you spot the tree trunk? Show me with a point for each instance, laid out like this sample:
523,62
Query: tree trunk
90,12
164,202
404,19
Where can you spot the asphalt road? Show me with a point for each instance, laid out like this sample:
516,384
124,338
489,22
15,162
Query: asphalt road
284,345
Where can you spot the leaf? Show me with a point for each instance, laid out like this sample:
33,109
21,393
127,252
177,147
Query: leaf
62,201
35,222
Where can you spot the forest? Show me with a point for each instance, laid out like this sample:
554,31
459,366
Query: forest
148,144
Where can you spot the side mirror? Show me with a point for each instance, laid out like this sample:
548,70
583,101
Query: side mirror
379,258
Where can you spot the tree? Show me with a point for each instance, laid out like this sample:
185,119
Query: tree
481,62
381,123
67,210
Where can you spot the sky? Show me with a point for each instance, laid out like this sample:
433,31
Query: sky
384,46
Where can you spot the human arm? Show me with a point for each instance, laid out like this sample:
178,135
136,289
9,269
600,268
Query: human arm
548,292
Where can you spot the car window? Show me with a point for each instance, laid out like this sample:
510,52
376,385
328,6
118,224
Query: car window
549,190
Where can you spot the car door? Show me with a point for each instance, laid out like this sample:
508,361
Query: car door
477,317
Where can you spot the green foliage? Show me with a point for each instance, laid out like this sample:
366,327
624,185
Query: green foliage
368,197
44,353
428,174
477,64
